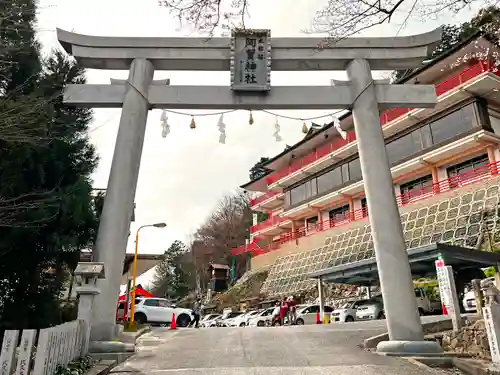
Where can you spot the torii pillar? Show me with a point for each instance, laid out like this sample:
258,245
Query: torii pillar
365,96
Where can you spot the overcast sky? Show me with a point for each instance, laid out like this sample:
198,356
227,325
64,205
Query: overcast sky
182,176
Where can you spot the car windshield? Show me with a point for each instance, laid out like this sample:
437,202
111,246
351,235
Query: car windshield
231,315
373,302
210,317
348,305
302,309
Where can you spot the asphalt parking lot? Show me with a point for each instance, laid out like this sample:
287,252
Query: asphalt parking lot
313,349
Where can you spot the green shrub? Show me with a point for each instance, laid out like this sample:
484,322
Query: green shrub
78,366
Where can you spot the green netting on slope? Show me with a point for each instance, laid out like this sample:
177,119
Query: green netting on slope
459,219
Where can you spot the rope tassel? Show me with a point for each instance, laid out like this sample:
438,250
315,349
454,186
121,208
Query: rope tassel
277,129
164,124
222,126
222,129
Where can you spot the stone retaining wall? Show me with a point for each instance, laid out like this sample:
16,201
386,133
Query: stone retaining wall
470,339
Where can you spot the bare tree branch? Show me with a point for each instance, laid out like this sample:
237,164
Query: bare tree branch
226,228
338,18
208,16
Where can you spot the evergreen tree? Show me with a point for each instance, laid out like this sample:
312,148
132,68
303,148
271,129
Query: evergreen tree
174,276
487,20
47,213
258,170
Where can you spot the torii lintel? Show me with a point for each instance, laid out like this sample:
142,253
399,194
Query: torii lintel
222,97
287,54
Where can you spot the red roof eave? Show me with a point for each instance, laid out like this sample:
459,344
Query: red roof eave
252,248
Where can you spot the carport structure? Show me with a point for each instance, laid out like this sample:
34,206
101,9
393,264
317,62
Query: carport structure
466,265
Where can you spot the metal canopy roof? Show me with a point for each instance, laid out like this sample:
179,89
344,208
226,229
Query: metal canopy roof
421,263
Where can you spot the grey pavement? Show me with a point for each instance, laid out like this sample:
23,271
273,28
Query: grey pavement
315,349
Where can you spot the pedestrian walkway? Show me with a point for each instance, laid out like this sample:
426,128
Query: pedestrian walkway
263,351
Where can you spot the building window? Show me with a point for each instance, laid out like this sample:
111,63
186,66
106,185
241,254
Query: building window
416,188
455,123
311,223
438,131
288,202
401,148
364,207
468,165
495,124
298,194
329,180
422,138
468,170
354,170
339,214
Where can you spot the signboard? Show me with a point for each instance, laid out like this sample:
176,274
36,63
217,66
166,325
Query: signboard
250,60
491,315
8,352
448,292
25,352
440,273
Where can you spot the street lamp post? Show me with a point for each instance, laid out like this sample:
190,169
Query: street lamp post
134,275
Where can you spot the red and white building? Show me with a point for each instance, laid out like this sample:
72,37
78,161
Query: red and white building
316,186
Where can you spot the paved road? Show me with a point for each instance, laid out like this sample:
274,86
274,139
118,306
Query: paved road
307,350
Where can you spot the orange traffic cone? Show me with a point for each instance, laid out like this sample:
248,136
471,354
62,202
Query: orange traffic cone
173,325
318,320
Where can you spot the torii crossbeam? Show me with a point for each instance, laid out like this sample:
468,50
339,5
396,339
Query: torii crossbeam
366,97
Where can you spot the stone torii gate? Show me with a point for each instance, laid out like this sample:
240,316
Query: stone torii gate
251,89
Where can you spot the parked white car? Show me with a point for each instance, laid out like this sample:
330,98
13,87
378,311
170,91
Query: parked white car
250,315
261,319
227,317
209,320
347,313
159,311
306,314
374,308
469,301
371,309
241,320
233,320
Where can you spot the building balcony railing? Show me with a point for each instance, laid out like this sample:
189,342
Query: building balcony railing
271,222
457,181
321,152
387,117
338,221
454,182
264,197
